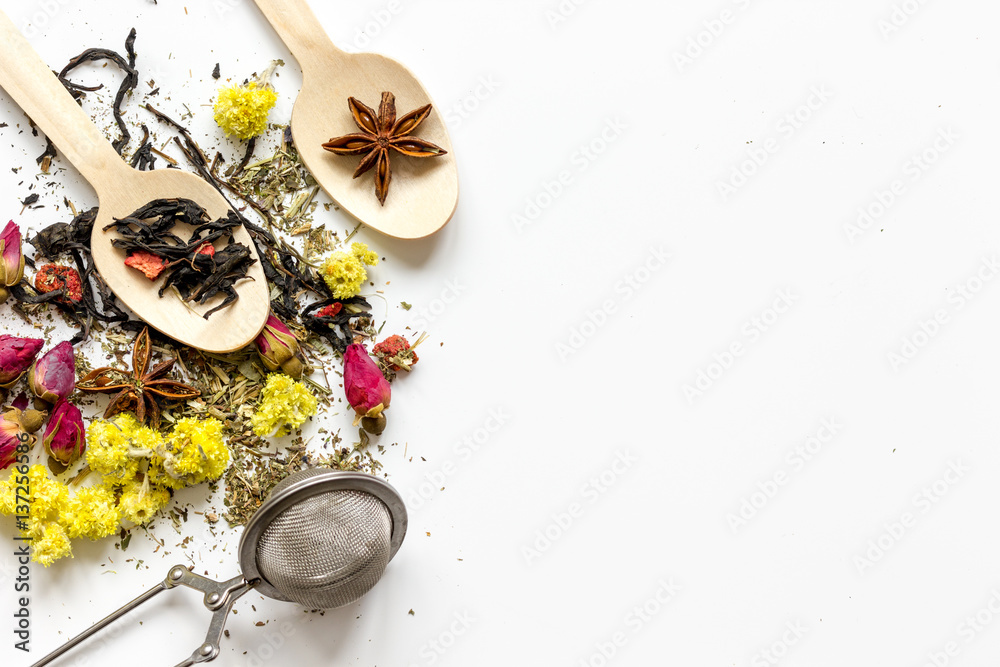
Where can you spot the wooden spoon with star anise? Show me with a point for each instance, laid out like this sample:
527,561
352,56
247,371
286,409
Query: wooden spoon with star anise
140,389
424,193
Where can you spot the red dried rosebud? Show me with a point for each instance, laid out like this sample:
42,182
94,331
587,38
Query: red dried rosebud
11,259
151,264
16,355
279,348
52,378
367,390
53,276
11,437
330,311
64,437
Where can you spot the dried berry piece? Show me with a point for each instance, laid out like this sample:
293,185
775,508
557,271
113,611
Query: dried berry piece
151,264
52,277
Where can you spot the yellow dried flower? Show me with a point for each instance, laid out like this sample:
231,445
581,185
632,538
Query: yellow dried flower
242,110
345,273
140,501
109,447
92,514
8,497
49,498
50,542
363,254
195,452
285,404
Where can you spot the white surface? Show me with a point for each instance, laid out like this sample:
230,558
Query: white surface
676,133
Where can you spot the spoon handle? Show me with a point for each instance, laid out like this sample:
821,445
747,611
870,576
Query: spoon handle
33,86
299,29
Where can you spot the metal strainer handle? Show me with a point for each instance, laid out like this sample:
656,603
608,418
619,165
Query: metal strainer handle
219,599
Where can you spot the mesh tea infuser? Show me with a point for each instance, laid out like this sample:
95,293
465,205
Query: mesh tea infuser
322,539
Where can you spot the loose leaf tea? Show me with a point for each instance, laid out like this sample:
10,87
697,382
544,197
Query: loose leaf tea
193,267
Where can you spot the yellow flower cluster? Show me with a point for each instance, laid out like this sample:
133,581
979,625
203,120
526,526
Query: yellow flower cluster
345,273
193,452
242,110
285,404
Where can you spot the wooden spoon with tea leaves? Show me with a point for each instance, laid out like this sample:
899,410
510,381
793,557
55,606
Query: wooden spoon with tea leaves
423,193
122,190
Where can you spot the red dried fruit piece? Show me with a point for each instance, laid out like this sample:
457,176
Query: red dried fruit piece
393,346
331,310
52,277
150,264
206,248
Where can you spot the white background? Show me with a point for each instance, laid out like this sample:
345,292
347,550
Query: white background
542,328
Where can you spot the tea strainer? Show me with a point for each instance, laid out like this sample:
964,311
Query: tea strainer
322,539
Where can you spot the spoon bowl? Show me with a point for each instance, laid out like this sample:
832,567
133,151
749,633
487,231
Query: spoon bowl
120,191
423,194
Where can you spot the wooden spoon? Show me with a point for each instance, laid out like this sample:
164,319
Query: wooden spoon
423,193
120,191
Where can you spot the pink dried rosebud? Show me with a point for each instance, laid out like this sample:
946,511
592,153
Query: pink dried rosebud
367,390
11,259
64,436
279,348
11,436
53,376
16,355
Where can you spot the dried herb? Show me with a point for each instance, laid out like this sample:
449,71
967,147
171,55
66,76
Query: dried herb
196,273
128,84
378,134
140,389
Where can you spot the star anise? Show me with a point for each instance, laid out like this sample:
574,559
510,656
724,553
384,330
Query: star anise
378,134
140,390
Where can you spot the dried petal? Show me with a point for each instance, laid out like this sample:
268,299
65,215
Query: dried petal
11,435
16,355
64,437
368,392
279,348
11,259
52,377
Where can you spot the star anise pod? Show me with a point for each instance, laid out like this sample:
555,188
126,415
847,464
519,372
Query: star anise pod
382,132
140,390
